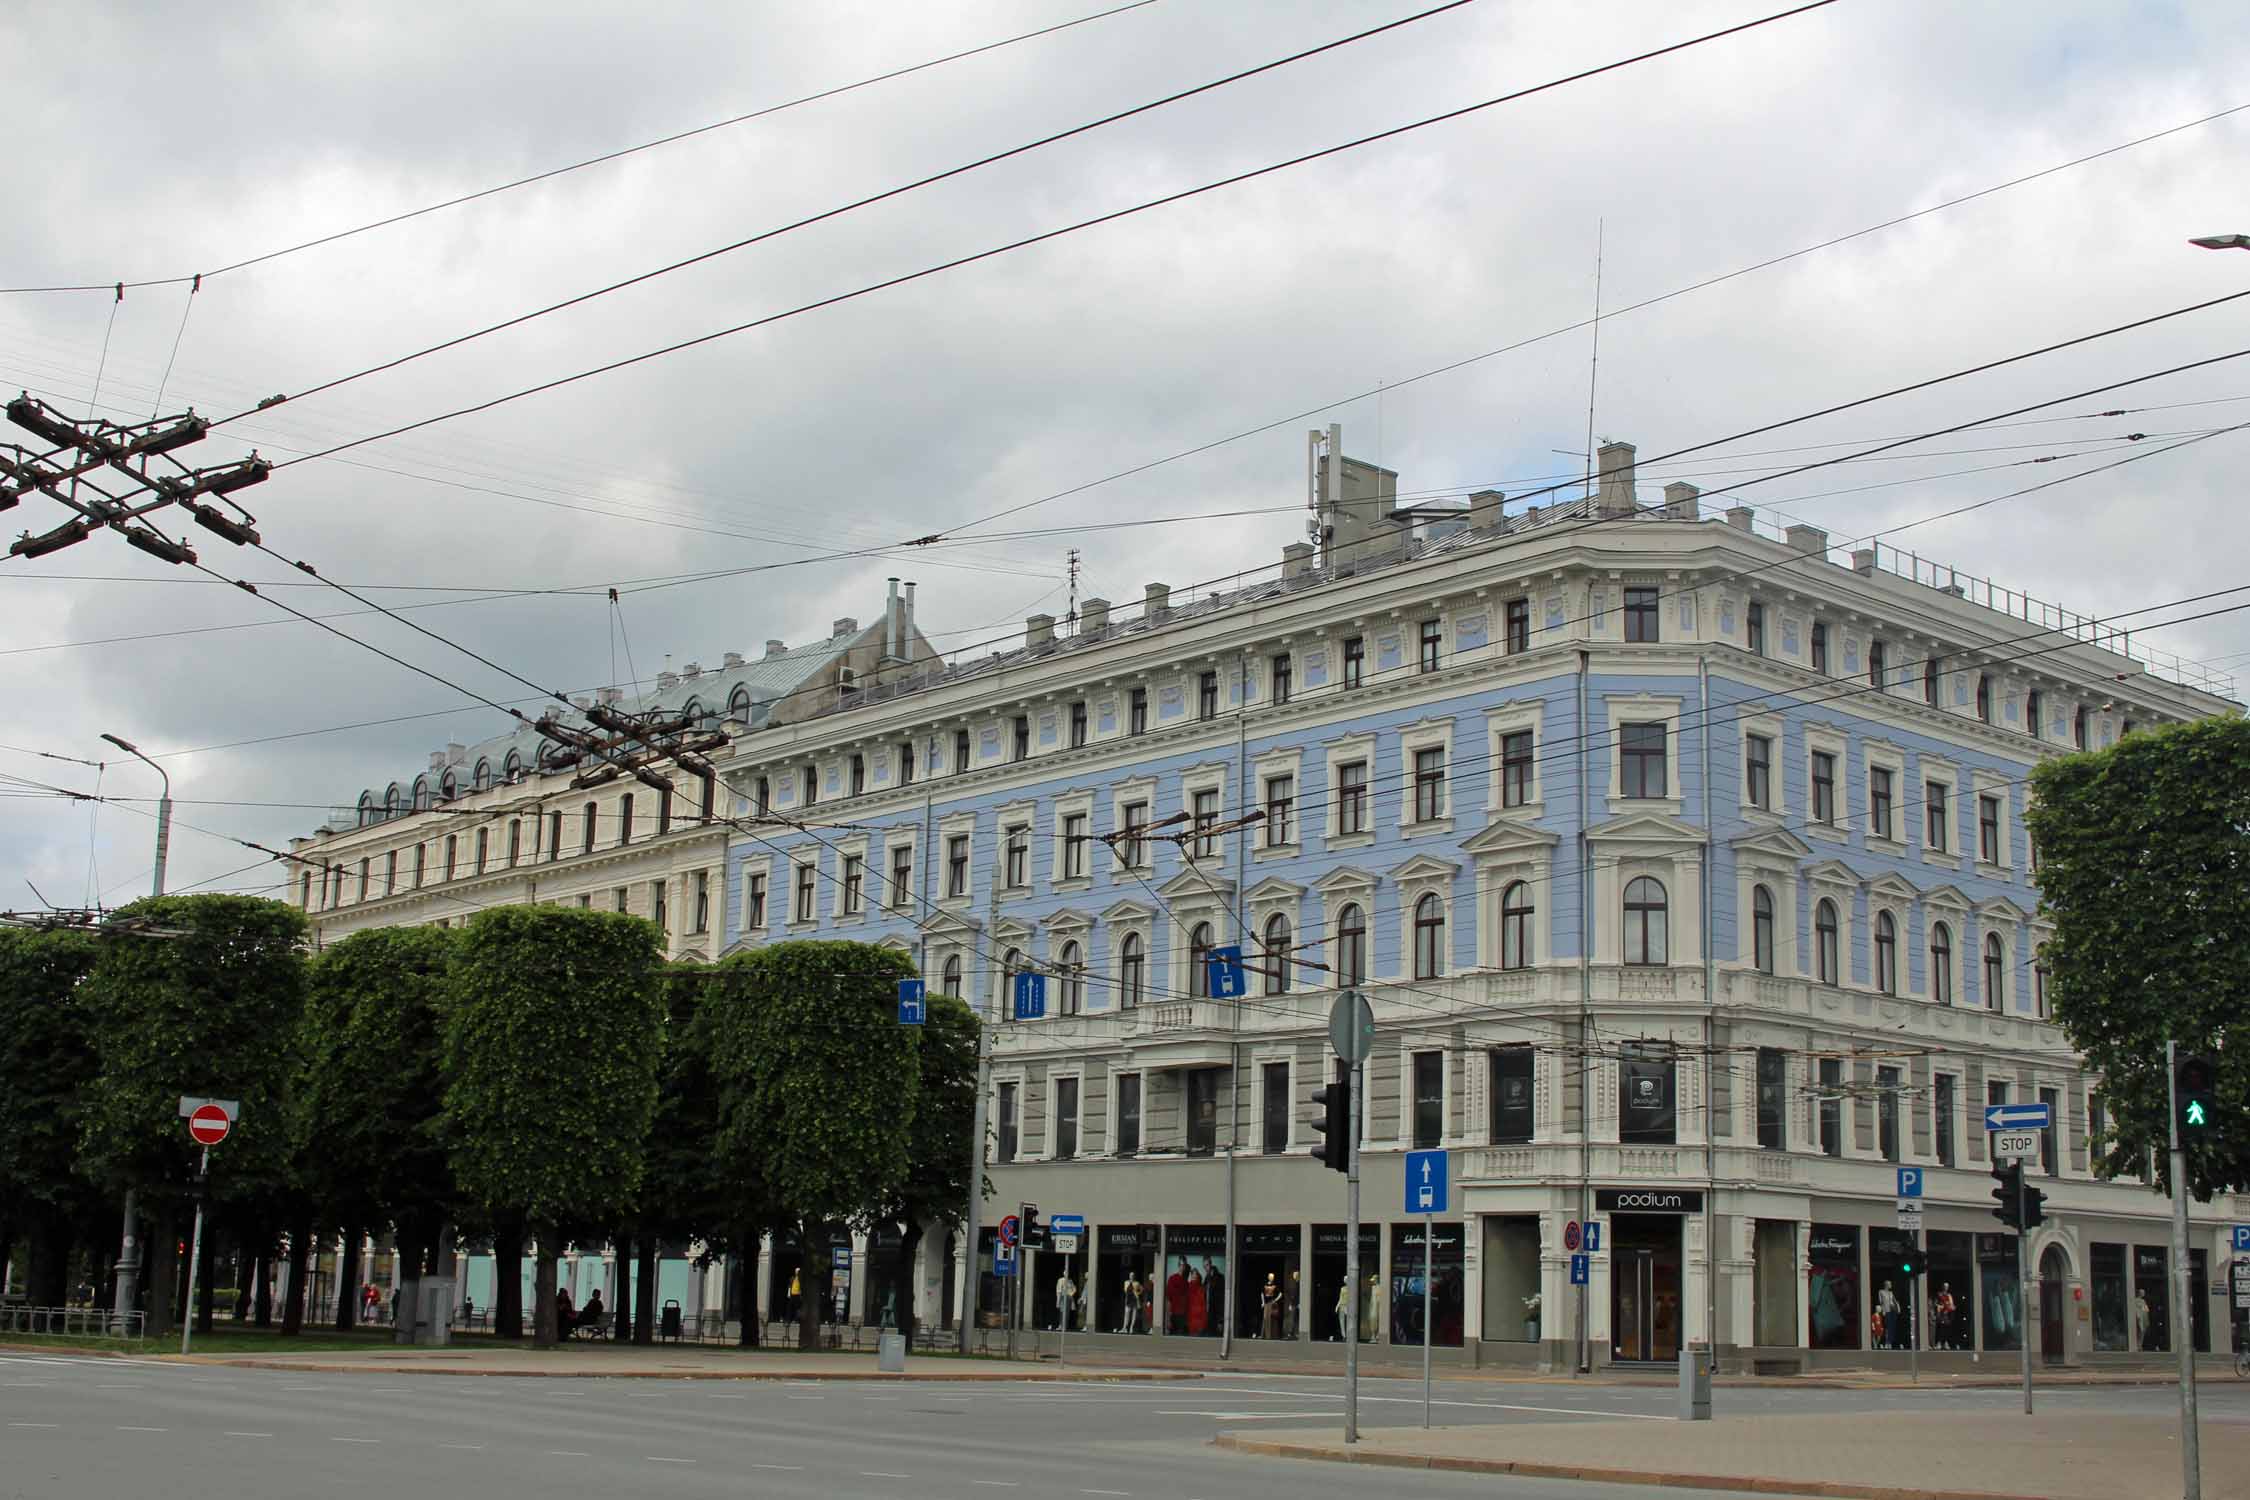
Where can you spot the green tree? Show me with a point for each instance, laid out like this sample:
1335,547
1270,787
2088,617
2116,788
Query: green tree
935,1188
818,1083
2144,868
684,1195
46,1063
554,1033
212,1010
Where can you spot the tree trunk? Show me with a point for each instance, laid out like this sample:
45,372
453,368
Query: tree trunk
205,1292
812,1278
543,1295
246,1268
262,1297
621,1295
300,1272
7,1255
746,1251
50,1261
157,1255
909,1245
507,1279
644,1316
347,1279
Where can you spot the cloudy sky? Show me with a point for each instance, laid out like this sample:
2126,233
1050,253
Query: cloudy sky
159,144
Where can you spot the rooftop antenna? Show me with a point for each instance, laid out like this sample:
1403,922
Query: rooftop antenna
1594,365
1071,619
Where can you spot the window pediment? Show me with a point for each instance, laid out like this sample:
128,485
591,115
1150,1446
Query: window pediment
1068,920
1947,898
1772,846
1193,885
1423,870
1892,888
1345,879
1128,913
2001,909
1833,872
1509,837
1646,828
1274,891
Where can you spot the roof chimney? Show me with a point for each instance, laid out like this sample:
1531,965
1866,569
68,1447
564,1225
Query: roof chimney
1484,509
583,701
454,750
692,669
666,681
730,661
1863,561
777,648
1296,560
1614,469
612,695
1039,630
1155,599
1742,518
1093,617
845,625
890,622
1680,501
906,622
1810,540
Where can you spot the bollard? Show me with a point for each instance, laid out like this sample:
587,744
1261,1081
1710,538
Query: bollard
1695,1383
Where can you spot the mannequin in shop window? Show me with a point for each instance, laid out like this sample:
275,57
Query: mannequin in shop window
1942,1310
1887,1310
2141,1319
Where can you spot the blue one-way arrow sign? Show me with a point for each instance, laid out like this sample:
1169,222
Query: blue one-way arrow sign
1066,1223
1425,1182
2019,1117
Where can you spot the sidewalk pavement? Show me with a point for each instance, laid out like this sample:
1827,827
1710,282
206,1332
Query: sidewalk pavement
693,1362
1863,1455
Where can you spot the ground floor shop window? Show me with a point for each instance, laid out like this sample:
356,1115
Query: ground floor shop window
1125,1287
1891,1310
1195,1279
2152,1299
1441,1245
1952,1287
1832,1297
2001,1297
1050,1306
992,1291
2108,1292
1775,1287
1510,1265
1330,1301
1268,1295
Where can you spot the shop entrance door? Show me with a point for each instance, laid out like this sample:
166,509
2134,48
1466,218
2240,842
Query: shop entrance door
2052,1274
1644,1292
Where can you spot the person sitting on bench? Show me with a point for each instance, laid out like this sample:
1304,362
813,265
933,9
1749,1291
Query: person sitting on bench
590,1316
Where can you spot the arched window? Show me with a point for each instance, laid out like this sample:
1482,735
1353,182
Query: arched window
1073,966
1995,972
738,706
693,711
1886,953
1011,964
1824,942
1761,929
421,793
1941,964
1515,926
1277,954
1199,961
1350,960
366,808
949,982
394,801
1132,970
1646,941
483,776
1429,937
449,787
511,769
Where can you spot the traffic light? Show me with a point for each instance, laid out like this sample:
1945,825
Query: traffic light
1033,1231
2194,1084
2034,1208
1335,1101
2007,1196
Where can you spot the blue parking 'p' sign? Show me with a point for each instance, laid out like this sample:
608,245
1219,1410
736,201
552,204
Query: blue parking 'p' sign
1223,967
911,1010
1031,997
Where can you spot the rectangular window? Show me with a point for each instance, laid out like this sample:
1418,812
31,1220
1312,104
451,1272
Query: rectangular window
1078,724
1517,625
808,882
855,884
702,902
809,778
1284,678
1640,614
1515,768
2049,1157
1429,785
1273,1107
1645,1114
664,811
656,906
1075,839
1128,1114
957,865
1879,802
1206,813
906,760
1066,1118
1773,1099
1134,836
586,830
1933,805
1996,1091
1831,1106
554,835
1429,1100
1943,1105
1820,648
1207,695
1757,770
960,751
363,879
621,899
1823,787
1016,857
1023,737
421,858
1137,721
1007,1113
1355,661
1641,752
1351,797
1513,1119
1886,1112
1432,644
1754,627
2097,1133
1281,811
1202,1089
484,838
754,903
902,876
625,819
390,873
1988,830
515,844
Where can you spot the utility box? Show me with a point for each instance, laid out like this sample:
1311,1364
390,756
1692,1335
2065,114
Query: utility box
1695,1383
425,1311
890,1354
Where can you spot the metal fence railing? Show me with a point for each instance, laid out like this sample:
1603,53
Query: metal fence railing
70,1322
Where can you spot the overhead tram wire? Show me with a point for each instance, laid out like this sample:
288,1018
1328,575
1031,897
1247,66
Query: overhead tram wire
591,161
992,252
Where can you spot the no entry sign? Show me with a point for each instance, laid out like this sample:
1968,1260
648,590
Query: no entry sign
208,1125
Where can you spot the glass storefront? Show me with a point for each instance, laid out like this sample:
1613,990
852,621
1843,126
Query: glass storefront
1048,1309
1512,1301
2108,1291
1324,1311
2152,1298
1951,1287
992,1291
1125,1288
1268,1294
1832,1298
1195,1279
1891,1321
2002,1299
889,1291
1445,1253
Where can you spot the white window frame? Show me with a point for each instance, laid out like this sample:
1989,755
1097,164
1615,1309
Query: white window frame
1413,740
1771,727
1643,708
1339,753
1823,740
1499,723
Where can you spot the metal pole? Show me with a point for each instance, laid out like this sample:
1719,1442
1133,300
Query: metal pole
129,1252
195,1249
128,1269
2183,1285
1429,1267
2023,1303
971,1229
1914,1306
1351,1261
1234,1009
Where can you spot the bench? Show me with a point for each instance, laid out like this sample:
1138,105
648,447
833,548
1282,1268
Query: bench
595,1327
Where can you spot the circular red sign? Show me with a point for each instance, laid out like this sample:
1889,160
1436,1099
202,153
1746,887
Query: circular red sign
1008,1228
208,1125
1570,1235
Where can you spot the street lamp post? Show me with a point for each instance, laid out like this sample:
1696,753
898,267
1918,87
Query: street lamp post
129,1254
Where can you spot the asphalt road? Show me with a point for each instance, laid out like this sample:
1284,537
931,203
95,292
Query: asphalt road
90,1428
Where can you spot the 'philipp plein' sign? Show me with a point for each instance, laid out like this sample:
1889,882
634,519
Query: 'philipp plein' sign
1648,1200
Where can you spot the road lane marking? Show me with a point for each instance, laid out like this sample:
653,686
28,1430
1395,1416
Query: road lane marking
35,1424
880,1474
464,1447
784,1468
654,1460
354,1440
248,1434
1248,1416
1000,1484
120,1387
144,1429
24,1384
1105,1492
566,1453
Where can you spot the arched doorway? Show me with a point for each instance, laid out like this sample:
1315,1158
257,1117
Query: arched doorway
2054,1281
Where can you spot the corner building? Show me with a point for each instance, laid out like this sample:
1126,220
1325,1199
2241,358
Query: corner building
1683,864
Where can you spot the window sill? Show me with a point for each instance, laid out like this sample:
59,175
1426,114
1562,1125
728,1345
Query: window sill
1426,827
1277,851
850,918
1941,859
1350,841
1620,806
1877,844
1535,807
1072,885
1995,872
